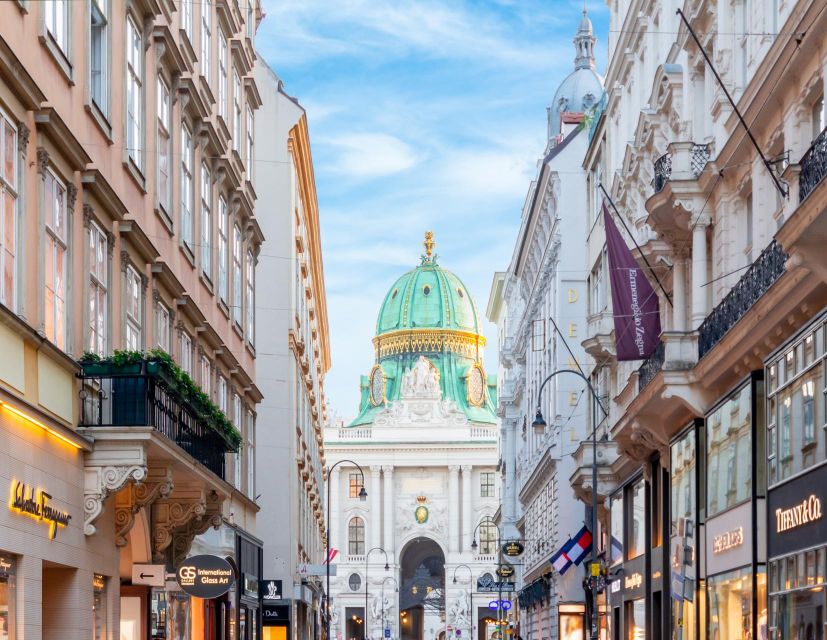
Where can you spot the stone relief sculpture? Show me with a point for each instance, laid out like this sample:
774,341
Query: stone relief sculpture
459,612
421,381
380,607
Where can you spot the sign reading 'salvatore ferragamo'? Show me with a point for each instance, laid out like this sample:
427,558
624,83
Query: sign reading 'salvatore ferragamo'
808,510
34,503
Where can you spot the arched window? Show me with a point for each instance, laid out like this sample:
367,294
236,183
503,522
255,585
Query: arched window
356,537
488,539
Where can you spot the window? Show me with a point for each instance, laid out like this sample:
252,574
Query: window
134,92
356,537
237,274
598,300
251,19
354,582
186,17
249,151
636,538
237,423
206,221
98,282
98,55
730,604
221,387
8,594
729,452
185,347
222,75
683,515
8,212
56,13
205,376
164,146
818,118
56,247
251,308
487,484
206,39
797,595
250,448
99,626
186,186
355,480
162,326
236,111
488,538
636,619
223,222
134,337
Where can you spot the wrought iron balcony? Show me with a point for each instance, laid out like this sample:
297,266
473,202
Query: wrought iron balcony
759,277
651,366
700,156
663,171
141,397
813,166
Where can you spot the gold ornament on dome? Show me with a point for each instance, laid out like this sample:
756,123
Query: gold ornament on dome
465,343
377,386
475,384
429,243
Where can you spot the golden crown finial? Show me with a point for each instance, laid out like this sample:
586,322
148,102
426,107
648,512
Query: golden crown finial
429,243
421,499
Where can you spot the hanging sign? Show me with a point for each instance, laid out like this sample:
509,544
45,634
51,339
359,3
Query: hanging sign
505,571
205,576
35,504
271,590
513,548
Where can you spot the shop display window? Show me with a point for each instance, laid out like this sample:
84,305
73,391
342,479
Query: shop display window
99,609
636,619
682,551
617,528
636,538
796,391
158,615
572,622
730,600
729,452
8,594
798,600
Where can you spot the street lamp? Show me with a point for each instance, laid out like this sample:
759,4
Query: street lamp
539,426
488,520
367,557
396,590
471,614
363,495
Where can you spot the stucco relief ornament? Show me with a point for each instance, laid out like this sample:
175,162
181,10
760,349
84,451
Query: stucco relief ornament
476,385
421,511
421,381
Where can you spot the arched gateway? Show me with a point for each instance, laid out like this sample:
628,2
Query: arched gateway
422,590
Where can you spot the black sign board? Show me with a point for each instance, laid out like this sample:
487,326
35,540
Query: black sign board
275,615
496,587
505,571
270,590
513,548
796,513
205,576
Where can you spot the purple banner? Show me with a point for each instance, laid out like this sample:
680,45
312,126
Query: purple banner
636,307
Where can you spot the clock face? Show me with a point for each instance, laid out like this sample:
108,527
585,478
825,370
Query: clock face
476,385
377,386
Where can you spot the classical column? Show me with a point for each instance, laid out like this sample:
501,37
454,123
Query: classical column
387,519
335,542
375,507
453,504
679,292
700,293
467,525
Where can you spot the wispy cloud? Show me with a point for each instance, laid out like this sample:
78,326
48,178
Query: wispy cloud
371,155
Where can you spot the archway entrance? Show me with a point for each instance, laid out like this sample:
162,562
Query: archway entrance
422,590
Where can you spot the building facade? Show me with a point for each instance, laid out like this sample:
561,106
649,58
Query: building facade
424,449
294,358
543,292
128,378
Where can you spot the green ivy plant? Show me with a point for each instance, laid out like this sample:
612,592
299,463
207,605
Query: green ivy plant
179,382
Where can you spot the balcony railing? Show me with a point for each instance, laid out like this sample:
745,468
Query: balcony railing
663,171
700,156
813,166
144,399
649,369
759,277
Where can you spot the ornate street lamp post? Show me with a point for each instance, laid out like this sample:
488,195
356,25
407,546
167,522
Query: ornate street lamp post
396,590
367,557
490,521
363,495
539,426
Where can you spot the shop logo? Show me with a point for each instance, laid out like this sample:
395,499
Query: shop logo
633,581
809,510
35,504
205,576
728,540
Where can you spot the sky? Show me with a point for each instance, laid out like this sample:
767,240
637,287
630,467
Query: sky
423,115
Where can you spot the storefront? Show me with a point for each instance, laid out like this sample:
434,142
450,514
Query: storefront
735,560
797,477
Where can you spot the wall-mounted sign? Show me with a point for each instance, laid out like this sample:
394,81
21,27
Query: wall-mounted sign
728,540
35,504
805,512
275,615
513,548
633,581
796,513
271,590
505,571
205,576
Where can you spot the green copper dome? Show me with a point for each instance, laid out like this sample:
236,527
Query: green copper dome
428,341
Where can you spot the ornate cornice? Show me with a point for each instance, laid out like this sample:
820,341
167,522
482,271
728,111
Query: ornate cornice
418,340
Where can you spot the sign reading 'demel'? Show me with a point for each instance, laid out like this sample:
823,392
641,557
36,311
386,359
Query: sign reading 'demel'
205,576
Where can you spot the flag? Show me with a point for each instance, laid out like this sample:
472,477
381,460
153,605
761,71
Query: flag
560,560
331,553
581,547
636,307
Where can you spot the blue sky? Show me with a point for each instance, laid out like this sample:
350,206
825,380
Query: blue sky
424,115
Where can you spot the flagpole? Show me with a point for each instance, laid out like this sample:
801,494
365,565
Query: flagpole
637,246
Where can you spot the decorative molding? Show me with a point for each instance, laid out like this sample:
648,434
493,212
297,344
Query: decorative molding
23,133
99,483
137,496
125,261
110,243
71,197
88,215
42,160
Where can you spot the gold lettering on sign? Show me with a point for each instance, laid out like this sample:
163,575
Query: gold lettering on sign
573,296
728,540
572,329
572,398
633,581
35,504
808,511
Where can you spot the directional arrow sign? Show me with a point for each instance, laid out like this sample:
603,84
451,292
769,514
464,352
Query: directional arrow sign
151,575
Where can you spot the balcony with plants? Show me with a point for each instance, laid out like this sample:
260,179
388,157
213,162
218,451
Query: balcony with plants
135,388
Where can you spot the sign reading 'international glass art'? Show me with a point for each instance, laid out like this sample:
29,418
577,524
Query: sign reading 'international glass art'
34,503
205,576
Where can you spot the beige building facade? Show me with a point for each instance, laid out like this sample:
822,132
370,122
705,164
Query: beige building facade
128,216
